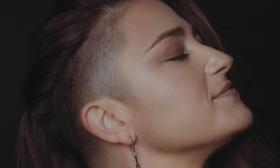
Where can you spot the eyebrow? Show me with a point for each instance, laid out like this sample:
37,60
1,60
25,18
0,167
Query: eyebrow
177,32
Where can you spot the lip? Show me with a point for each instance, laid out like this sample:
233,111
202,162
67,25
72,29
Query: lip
229,93
226,90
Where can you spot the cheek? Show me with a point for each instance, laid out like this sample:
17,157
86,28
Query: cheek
172,88
169,104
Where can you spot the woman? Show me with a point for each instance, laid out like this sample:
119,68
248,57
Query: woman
134,83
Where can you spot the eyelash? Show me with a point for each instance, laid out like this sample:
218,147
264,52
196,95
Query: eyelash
184,56
180,57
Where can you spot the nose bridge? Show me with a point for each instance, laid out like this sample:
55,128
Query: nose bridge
218,62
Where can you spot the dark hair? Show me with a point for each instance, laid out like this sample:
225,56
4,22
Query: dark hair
75,61
74,54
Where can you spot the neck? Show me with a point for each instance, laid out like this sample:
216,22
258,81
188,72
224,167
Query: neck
120,156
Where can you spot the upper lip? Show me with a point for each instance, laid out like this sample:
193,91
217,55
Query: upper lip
223,89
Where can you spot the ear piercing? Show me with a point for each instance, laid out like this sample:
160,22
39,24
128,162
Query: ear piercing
134,152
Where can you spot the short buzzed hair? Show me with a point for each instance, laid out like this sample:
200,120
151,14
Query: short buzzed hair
75,61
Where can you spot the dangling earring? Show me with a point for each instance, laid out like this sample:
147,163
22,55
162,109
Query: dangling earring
134,152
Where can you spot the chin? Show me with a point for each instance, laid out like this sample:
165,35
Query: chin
233,123
237,118
245,118
242,122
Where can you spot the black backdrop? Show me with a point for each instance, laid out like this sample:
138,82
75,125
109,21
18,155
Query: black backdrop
248,29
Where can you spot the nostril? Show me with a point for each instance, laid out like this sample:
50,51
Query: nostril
228,64
219,63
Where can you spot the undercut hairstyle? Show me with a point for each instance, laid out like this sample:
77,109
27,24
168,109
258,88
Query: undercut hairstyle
75,60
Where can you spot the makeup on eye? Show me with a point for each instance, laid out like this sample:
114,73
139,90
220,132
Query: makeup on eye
180,57
184,54
177,52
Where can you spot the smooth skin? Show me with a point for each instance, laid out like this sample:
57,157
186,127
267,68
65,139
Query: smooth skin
170,110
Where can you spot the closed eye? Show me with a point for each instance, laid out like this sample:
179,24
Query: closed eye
180,57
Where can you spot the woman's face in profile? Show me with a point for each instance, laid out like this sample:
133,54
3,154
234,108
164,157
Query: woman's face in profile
171,104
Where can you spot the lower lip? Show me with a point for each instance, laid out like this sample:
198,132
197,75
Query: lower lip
229,93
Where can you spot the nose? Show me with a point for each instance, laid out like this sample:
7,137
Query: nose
218,63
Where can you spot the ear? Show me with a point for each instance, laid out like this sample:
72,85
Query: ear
107,119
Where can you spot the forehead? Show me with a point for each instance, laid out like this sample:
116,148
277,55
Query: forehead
145,20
